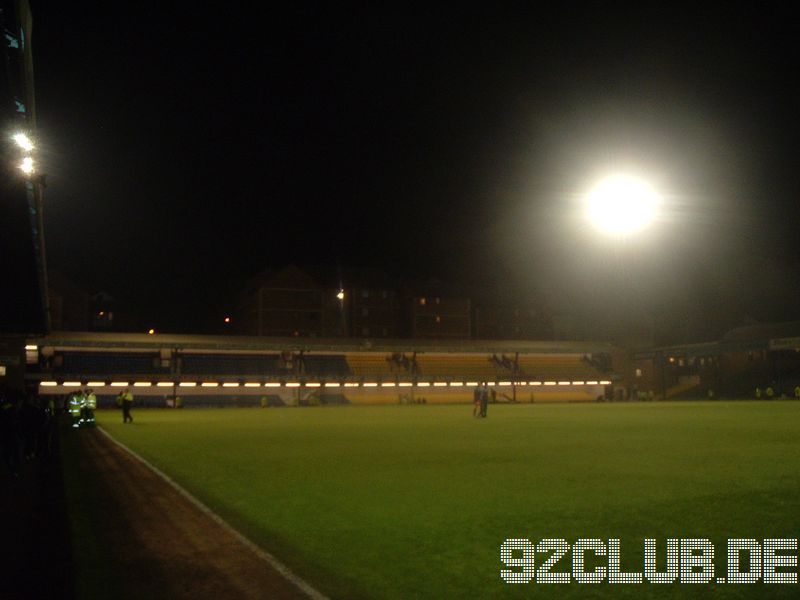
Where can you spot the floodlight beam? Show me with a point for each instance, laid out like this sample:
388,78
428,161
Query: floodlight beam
622,204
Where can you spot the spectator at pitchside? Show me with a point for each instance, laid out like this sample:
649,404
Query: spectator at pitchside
126,397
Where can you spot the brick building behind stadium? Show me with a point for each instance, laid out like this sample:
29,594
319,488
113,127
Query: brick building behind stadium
368,303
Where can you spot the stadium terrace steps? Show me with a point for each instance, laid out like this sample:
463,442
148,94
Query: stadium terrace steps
540,367
684,389
230,364
322,365
558,366
267,365
372,365
96,363
478,366
208,378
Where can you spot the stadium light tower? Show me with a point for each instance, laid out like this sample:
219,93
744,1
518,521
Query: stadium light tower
26,166
23,141
622,204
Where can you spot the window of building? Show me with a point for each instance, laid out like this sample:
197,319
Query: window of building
423,301
438,319
31,354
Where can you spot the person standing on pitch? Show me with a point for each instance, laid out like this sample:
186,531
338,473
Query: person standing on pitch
127,403
484,399
476,402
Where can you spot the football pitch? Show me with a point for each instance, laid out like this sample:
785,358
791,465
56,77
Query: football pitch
415,501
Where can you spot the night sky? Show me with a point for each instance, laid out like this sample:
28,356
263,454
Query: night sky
189,147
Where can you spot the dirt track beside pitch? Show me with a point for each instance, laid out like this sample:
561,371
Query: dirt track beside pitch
155,542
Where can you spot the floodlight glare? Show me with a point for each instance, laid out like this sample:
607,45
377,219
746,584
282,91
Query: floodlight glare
26,166
23,141
622,204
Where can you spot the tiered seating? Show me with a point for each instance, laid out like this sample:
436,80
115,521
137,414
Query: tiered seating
571,367
230,364
459,366
323,365
370,365
111,363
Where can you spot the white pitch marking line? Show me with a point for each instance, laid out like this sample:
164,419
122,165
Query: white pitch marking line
261,553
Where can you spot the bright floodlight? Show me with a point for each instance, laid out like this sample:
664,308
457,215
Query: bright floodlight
23,141
26,165
340,295
622,204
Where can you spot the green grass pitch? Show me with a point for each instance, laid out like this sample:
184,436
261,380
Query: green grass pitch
415,501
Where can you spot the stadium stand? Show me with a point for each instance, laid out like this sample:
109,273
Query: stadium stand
687,386
476,366
230,364
326,365
557,366
112,363
236,371
370,365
